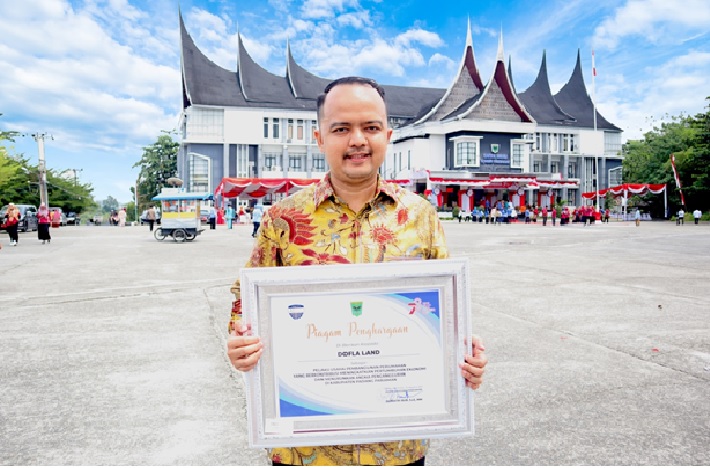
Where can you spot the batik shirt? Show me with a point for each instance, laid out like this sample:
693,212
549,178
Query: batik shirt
315,227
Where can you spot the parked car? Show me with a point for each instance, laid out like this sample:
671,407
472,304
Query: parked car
62,216
204,215
73,219
144,217
28,217
97,219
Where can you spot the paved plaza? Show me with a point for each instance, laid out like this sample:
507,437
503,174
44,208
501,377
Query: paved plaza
112,347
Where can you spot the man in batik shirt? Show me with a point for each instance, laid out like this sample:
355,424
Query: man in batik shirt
351,216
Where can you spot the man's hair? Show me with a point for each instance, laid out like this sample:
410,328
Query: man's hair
347,80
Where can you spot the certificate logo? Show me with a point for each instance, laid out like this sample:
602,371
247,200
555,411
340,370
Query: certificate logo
295,311
356,308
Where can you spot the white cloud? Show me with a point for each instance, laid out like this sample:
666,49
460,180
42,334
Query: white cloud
657,21
259,51
479,30
302,25
439,60
678,86
317,9
420,36
362,57
357,20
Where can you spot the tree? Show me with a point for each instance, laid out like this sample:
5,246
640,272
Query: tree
158,163
109,204
648,161
696,168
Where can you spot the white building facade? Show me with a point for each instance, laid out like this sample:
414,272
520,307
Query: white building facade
469,144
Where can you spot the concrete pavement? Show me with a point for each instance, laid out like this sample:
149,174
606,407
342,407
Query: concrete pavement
112,347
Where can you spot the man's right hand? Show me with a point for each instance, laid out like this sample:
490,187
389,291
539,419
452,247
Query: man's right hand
243,350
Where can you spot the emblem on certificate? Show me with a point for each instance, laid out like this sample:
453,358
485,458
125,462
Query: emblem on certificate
358,353
356,308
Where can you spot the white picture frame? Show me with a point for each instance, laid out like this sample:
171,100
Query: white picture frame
329,375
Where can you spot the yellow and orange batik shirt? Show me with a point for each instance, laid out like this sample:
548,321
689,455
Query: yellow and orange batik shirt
315,227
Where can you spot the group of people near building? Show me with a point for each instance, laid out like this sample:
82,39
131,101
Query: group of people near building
503,212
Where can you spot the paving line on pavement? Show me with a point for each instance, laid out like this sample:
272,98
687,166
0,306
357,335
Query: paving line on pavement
123,292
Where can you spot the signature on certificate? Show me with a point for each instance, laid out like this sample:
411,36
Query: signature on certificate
405,393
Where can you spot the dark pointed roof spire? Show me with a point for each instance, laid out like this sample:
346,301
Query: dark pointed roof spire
240,59
574,99
289,59
539,102
205,82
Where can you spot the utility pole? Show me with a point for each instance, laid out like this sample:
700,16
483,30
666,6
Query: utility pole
39,138
74,171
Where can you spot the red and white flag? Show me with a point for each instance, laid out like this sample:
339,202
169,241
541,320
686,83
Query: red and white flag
594,69
677,179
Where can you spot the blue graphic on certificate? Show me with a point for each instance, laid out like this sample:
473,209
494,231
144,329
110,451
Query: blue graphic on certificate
356,353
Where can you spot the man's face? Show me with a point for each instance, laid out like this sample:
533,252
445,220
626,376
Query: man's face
353,133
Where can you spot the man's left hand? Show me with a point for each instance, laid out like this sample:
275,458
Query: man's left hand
474,364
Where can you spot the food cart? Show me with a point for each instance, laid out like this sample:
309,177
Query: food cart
180,214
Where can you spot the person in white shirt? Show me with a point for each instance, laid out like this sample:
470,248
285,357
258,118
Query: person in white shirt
679,220
696,215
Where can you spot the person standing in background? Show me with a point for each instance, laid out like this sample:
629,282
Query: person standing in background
256,214
212,217
696,215
122,217
150,215
43,224
56,217
637,217
12,218
679,220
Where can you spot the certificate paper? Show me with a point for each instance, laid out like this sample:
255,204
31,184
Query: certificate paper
358,353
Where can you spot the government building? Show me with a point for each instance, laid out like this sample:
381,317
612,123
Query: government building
250,134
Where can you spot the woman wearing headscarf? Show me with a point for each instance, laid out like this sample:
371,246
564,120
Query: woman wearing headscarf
12,218
43,222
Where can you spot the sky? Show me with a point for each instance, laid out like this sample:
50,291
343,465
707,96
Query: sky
101,78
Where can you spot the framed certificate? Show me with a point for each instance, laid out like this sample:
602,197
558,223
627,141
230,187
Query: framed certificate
358,353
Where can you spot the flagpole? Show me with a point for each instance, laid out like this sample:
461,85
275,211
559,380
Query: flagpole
594,107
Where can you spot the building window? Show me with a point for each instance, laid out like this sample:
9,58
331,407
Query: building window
270,161
466,153
205,123
516,159
295,162
572,170
319,162
289,132
612,143
568,142
554,166
199,172
314,129
266,127
299,130
538,139
276,123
